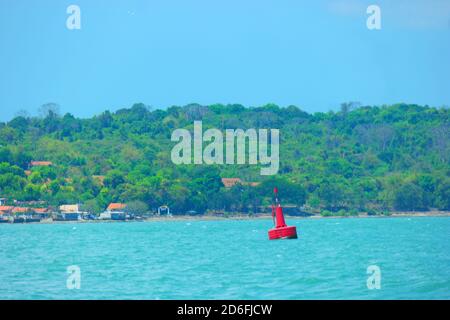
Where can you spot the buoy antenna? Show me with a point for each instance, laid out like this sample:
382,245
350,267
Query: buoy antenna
275,192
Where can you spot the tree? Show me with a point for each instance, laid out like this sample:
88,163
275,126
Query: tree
346,107
332,195
360,160
91,206
32,192
441,141
105,119
377,136
443,195
22,113
195,111
19,123
5,155
409,197
8,135
50,114
136,207
289,192
114,178
50,109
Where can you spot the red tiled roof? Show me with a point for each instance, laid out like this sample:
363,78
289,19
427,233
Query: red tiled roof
41,163
116,206
20,209
229,182
6,208
39,210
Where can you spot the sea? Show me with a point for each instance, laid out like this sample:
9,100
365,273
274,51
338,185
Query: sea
347,258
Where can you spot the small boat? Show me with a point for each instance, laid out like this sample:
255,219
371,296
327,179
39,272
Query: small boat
281,230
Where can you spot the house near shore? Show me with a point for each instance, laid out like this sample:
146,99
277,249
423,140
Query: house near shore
22,214
40,212
21,210
2,201
5,213
69,208
6,209
116,207
114,211
69,212
117,211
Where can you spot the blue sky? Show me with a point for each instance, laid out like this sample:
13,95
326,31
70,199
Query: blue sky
313,54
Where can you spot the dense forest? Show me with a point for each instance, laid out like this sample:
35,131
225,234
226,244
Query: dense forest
359,159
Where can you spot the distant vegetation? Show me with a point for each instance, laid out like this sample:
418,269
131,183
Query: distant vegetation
372,159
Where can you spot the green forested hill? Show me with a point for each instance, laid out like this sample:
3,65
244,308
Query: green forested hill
374,159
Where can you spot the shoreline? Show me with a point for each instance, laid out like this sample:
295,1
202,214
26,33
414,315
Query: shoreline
247,217
269,217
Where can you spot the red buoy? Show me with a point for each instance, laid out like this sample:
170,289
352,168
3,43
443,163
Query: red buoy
281,230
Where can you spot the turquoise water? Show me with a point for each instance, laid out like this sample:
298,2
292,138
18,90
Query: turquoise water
227,260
